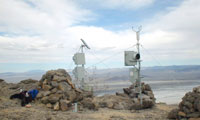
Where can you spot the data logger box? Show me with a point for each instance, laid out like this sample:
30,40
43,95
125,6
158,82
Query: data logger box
79,73
133,74
130,58
79,58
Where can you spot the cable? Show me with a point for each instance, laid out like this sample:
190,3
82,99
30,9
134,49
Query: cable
98,59
151,55
173,77
101,61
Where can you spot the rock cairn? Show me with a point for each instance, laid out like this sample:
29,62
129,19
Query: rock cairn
148,99
129,100
58,92
189,107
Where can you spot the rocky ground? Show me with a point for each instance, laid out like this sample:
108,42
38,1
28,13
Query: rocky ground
12,110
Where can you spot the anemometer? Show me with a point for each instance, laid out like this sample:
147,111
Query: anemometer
132,58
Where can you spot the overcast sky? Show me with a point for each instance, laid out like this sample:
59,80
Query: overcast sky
44,34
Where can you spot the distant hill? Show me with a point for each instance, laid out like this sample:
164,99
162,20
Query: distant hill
181,72
15,77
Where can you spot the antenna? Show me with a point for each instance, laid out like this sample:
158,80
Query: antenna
137,32
85,44
79,60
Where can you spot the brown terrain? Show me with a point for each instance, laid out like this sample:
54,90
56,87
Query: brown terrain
108,107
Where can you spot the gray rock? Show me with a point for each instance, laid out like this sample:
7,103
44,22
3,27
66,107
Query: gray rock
173,114
150,94
54,84
53,98
29,81
196,89
185,110
59,78
44,100
121,94
55,90
70,95
56,106
49,105
59,92
197,104
147,87
63,86
46,93
193,115
88,103
43,94
135,100
64,105
1,80
136,106
61,72
123,105
118,106
127,91
133,95
147,103
188,104
39,95
46,87
144,96
15,86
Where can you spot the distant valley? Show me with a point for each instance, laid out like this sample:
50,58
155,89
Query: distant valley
186,72
169,83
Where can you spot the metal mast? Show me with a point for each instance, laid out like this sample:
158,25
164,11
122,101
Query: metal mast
82,81
138,81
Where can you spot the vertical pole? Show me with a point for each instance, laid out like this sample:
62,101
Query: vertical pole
82,81
139,65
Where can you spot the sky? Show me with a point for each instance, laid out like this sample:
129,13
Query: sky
44,34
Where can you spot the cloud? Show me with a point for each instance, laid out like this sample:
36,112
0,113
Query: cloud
50,31
117,4
39,17
175,35
128,4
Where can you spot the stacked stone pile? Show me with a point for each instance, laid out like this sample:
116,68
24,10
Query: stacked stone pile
58,92
148,99
189,107
130,99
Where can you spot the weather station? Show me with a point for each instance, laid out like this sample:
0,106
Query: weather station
132,58
79,60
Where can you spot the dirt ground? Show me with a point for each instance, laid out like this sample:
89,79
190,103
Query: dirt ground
11,110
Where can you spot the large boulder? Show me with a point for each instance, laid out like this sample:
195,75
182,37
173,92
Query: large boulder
173,114
89,103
